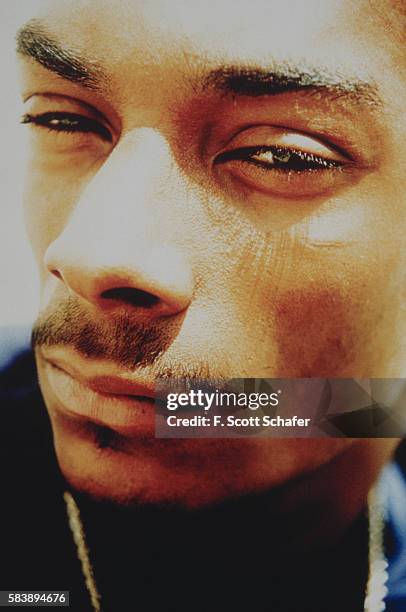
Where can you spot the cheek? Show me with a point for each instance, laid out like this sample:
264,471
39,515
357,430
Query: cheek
48,203
316,332
333,314
331,288
323,308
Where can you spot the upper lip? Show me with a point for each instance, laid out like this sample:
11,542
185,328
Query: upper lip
103,378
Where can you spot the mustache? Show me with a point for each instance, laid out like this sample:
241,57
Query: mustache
122,339
119,338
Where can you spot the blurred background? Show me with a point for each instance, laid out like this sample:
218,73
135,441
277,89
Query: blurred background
19,294
18,276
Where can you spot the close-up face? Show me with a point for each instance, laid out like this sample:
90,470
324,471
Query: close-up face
214,190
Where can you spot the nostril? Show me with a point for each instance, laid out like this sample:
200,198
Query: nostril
132,296
57,274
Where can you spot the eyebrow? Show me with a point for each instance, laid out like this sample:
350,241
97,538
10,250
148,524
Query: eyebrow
34,42
285,77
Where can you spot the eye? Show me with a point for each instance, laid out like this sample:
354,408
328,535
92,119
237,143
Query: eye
279,158
281,162
68,123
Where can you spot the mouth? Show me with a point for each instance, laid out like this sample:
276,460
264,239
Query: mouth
95,391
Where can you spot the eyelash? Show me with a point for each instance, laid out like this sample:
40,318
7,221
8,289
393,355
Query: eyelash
284,159
68,123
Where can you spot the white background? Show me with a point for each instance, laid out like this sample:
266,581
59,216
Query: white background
18,277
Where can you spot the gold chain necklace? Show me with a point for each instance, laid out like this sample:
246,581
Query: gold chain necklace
376,590
78,533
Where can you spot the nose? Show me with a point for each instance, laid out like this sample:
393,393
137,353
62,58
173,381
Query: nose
122,247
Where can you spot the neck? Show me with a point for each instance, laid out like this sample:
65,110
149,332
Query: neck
236,540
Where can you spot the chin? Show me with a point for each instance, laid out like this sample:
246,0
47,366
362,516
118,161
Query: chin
189,474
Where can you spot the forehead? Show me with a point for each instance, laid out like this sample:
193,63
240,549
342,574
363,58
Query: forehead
333,32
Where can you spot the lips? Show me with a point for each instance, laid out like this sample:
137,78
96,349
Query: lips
93,391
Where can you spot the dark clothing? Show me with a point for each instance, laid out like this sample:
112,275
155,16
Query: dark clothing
223,559
37,550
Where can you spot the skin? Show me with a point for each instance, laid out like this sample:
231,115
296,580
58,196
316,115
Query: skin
255,273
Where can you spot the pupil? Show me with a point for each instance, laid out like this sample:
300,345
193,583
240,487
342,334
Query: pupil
63,122
282,157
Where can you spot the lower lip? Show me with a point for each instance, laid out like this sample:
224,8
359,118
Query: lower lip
125,414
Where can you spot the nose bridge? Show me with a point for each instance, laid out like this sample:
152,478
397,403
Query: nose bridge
134,190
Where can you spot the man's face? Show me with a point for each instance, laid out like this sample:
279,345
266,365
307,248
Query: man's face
215,190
